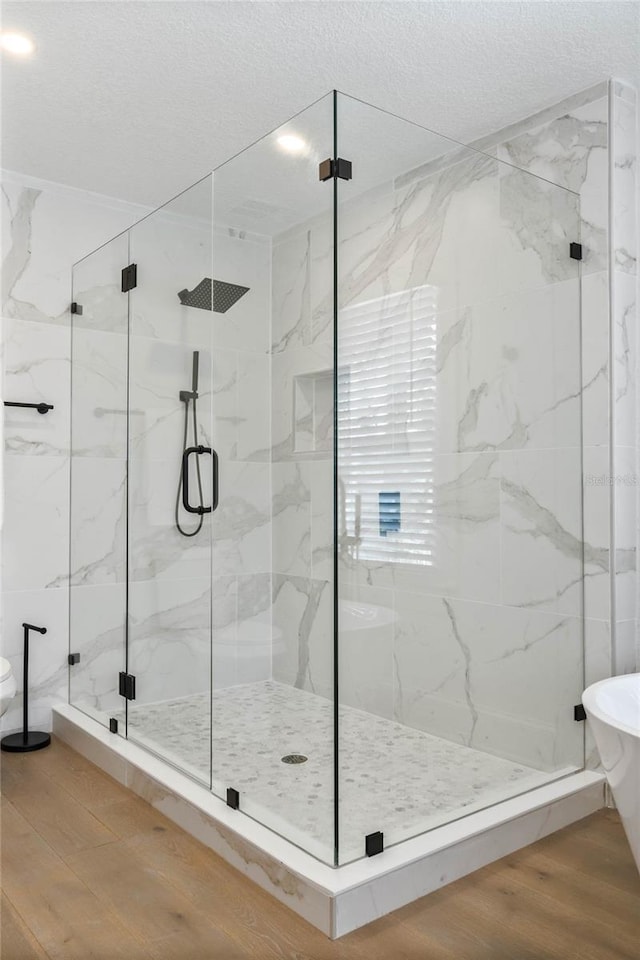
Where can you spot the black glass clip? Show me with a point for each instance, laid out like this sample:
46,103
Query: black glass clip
127,685
335,169
233,798
374,843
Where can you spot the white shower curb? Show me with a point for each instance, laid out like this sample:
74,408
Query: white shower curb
335,900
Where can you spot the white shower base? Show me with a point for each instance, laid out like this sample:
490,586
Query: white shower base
391,777
336,900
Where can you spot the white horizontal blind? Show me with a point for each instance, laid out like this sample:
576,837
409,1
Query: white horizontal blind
386,425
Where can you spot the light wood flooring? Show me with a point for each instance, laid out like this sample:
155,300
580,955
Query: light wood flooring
91,872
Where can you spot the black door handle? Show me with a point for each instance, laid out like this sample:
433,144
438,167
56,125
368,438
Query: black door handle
185,479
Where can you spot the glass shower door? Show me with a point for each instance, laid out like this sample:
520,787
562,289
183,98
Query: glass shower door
460,549
98,463
171,482
273,376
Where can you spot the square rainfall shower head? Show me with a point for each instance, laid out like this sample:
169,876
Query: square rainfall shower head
224,295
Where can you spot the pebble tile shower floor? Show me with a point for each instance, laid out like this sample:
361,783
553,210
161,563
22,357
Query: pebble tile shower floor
392,778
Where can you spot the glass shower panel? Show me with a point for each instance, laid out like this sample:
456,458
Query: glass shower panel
459,475
273,364
97,593
171,482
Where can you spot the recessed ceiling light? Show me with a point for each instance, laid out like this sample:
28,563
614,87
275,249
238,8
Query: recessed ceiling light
292,144
17,43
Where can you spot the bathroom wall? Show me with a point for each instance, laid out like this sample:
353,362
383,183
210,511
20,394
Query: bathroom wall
174,614
473,643
45,228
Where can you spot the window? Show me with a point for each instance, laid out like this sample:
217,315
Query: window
386,422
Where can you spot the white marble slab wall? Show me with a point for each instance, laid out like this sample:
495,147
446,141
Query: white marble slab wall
514,451
302,457
241,527
624,298
45,228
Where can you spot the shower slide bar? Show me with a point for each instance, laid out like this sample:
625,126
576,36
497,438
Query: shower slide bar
40,407
185,479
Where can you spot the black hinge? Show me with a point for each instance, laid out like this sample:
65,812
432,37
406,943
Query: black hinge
127,686
374,843
76,308
575,251
579,713
129,277
73,658
335,169
233,798
113,725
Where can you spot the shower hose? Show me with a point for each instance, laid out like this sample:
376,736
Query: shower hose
190,533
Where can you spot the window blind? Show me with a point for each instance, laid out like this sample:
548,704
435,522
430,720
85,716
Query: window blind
386,427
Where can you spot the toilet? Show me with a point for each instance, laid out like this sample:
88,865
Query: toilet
8,685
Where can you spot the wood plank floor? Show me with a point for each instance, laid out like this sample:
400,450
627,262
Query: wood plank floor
91,872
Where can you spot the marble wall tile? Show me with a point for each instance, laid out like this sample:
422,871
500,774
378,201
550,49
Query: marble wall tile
463,671
508,372
303,628
224,611
285,368
245,260
624,181
570,150
224,387
98,521
35,534
159,370
96,286
597,666
624,337
49,228
97,632
365,661
170,625
464,541
36,369
254,415
624,653
156,549
99,394
255,644
291,510
241,525
595,359
541,531
290,292
625,492
475,231
597,492
47,653
322,511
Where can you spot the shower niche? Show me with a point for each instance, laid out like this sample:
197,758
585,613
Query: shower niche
392,457
313,413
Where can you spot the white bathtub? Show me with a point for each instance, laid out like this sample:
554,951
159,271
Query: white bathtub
613,709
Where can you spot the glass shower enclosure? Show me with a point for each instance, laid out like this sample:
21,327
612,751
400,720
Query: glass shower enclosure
326,457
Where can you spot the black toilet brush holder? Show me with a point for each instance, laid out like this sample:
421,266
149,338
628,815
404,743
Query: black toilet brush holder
27,740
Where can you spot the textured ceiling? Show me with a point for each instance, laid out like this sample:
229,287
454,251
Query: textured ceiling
138,99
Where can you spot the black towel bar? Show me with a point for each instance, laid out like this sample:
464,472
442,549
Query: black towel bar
40,407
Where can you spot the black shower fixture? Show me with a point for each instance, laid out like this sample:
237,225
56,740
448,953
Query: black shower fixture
220,299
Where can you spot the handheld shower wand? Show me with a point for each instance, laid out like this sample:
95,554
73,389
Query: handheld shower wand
188,397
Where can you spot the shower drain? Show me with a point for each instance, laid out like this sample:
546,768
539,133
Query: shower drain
294,758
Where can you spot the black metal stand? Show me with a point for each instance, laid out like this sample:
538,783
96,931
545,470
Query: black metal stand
29,739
